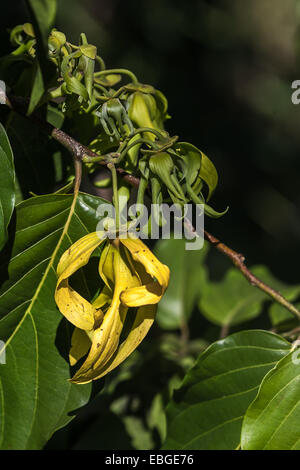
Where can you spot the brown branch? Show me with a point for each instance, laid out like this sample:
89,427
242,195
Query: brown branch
238,261
80,151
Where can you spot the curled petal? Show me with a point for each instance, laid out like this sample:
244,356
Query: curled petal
80,344
106,338
143,321
154,285
71,304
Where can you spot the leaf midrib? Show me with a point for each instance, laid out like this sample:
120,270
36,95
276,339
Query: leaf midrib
34,298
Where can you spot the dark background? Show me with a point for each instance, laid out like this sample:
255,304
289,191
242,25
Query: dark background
226,68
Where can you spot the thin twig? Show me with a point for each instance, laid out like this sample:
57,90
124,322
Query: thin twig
19,105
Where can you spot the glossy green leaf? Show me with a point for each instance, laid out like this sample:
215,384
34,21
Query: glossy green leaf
36,397
187,279
7,185
234,300
208,409
37,88
272,420
43,15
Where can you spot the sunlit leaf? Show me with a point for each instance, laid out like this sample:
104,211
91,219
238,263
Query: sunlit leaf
272,420
234,300
208,409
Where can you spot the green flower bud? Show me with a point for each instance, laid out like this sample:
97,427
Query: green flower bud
114,118
56,41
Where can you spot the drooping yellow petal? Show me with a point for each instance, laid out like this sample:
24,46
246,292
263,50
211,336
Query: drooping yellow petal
152,290
80,344
71,304
79,253
143,321
106,266
106,338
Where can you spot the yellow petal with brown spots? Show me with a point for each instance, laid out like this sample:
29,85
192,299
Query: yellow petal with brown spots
106,338
71,304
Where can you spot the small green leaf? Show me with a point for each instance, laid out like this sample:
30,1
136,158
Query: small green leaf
7,185
279,315
42,13
207,411
233,300
37,88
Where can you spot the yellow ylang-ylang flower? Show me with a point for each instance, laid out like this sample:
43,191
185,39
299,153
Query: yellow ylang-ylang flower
134,282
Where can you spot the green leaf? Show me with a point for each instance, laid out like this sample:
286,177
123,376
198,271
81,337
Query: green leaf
188,276
42,13
7,185
272,420
280,316
37,88
207,410
233,300
36,397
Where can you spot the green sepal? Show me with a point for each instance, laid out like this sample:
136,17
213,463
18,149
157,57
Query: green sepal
108,80
88,50
161,164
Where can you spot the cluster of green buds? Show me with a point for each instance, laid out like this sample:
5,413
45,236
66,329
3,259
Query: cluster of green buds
129,122
23,37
